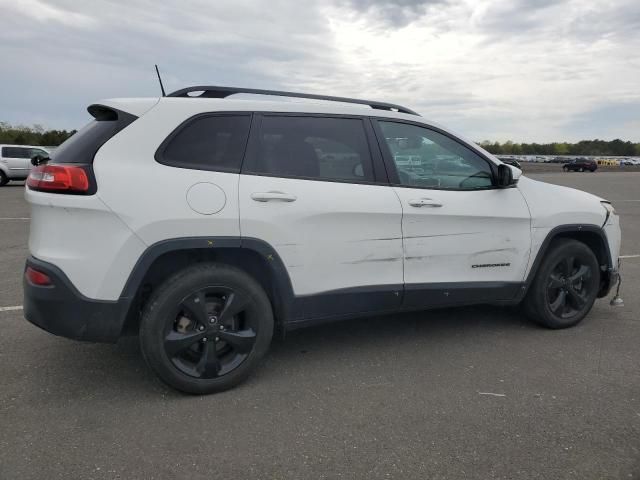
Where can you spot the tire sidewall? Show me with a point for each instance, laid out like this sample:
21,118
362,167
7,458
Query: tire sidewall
158,311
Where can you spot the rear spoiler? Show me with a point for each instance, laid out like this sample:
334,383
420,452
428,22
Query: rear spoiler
133,106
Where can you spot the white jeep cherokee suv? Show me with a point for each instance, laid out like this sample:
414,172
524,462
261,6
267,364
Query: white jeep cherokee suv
205,222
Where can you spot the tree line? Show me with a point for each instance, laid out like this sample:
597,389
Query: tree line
585,147
35,135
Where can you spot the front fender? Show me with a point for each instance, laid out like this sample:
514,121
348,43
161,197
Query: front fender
592,235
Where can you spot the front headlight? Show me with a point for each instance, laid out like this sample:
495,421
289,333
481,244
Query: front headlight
609,208
610,211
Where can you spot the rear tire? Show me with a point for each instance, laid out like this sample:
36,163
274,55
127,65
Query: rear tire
205,329
3,179
565,286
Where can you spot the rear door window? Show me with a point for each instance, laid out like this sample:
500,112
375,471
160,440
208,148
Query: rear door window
315,148
208,142
16,152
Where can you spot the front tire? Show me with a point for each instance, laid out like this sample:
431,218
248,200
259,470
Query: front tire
3,179
206,328
565,286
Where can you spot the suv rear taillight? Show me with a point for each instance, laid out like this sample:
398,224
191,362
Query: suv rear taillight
60,178
36,277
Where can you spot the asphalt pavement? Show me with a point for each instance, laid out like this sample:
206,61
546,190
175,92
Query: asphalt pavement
468,393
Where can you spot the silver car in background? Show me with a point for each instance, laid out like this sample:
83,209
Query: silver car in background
15,161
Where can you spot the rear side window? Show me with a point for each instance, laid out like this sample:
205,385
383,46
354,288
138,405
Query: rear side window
16,152
83,145
317,148
211,142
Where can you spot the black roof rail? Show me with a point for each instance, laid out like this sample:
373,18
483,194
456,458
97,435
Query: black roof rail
223,92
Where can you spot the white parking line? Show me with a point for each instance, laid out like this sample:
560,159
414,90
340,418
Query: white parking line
11,309
629,256
14,218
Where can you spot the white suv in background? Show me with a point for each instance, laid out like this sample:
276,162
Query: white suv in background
15,161
205,222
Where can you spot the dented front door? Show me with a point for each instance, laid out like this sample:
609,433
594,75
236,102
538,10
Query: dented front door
458,227
464,236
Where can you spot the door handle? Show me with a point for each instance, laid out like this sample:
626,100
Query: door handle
273,196
424,202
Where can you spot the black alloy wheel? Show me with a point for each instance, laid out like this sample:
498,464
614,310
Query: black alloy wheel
565,285
210,335
568,287
206,328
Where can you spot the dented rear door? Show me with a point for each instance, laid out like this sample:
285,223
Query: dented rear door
310,189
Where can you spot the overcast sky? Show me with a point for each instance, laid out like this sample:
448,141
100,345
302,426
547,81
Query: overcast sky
536,70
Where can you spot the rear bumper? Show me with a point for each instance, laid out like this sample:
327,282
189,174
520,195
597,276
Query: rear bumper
62,310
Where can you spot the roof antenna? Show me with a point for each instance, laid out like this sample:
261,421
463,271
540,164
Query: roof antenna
160,80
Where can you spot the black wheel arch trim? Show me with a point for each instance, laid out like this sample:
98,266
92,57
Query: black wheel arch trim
282,304
560,231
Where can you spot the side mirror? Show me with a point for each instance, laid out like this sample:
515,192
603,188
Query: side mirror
505,176
38,160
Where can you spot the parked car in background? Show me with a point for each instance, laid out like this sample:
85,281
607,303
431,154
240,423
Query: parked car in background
580,165
15,161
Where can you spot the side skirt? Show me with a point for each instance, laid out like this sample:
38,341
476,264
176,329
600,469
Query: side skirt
380,300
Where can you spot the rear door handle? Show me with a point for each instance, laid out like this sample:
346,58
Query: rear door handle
273,196
424,202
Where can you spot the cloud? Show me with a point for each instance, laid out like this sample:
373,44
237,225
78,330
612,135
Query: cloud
42,12
497,69
614,120
393,13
